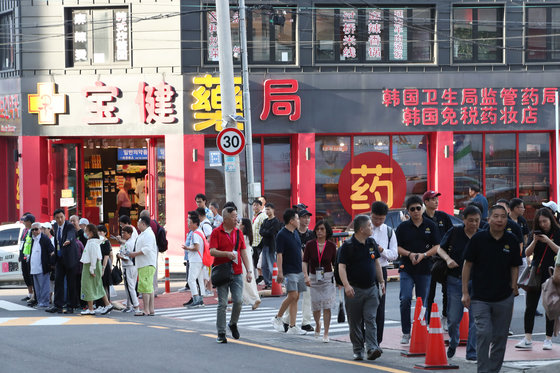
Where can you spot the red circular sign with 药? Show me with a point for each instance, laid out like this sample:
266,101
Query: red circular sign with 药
230,141
370,177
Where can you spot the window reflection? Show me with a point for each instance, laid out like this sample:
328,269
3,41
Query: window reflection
534,183
467,166
500,167
410,152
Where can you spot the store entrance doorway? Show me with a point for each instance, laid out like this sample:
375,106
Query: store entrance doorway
65,177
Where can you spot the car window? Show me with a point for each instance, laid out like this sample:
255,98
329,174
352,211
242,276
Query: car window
9,237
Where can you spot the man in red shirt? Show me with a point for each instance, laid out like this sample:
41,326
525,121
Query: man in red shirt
228,245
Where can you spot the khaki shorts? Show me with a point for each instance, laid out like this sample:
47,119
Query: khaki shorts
146,279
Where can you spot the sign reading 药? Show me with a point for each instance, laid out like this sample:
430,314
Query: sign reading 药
231,141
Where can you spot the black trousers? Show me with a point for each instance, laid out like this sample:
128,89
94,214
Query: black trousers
70,274
380,316
432,295
256,253
531,303
26,271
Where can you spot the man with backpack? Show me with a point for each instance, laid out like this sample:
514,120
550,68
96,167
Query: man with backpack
195,246
161,242
388,249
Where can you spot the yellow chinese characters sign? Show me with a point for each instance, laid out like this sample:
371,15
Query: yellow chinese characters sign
370,177
207,106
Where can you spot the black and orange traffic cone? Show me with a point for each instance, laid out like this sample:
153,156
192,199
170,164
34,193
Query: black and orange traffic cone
436,357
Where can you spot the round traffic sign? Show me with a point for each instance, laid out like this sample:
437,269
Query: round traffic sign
230,141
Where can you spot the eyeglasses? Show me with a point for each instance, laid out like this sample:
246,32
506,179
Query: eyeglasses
417,208
34,229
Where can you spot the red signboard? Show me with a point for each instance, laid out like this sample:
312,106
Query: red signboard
370,177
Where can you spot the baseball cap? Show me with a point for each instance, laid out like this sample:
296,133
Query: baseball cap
28,217
83,221
46,225
430,194
304,213
551,205
301,206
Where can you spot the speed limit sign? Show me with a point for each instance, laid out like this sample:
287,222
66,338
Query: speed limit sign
231,141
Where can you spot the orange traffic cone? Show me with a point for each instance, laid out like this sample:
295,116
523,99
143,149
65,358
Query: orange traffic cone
419,335
276,289
464,328
436,357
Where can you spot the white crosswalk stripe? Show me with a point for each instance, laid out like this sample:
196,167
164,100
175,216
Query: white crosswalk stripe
257,319
9,306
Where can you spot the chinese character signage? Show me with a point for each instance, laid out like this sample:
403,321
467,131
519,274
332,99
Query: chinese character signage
397,36
349,21
102,109
156,103
121,35
469,106
46,103
207,106
370,177
280,95
374,26
79,21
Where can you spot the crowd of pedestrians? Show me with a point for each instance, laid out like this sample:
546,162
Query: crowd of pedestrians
478,264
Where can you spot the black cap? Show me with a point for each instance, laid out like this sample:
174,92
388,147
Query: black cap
304,213
28,217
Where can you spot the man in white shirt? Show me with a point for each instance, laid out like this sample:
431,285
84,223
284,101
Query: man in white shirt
195,249
42,250
146,257
388,248
218,220
129,269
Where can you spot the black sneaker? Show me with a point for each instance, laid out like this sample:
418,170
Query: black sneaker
54,309
234,331
307,328
538,313
286,327
358,356
221,338
450,352
259,279
32,303
373,354
25,299
188,303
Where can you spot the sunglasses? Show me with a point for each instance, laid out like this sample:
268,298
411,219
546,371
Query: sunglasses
417,208
34,229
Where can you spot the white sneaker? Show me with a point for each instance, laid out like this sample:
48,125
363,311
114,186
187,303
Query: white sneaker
87,311
525,344
547,344
208,293
295,330
405,339
278,324
99,310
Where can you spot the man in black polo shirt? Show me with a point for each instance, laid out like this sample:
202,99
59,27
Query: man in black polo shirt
360,272
418,240
492,258
443,222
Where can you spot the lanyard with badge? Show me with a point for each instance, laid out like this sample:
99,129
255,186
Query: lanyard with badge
320,271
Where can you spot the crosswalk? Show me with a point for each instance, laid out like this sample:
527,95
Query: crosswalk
257,319
10,306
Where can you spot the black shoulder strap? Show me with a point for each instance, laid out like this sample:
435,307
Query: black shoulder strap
236,240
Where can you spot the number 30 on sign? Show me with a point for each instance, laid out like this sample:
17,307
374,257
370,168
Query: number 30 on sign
231,141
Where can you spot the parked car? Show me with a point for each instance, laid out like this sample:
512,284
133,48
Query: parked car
10,271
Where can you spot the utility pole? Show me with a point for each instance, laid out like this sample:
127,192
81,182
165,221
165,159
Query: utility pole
232,172
251,186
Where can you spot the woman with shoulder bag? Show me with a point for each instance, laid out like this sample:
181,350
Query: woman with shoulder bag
544,247
452,251
319,259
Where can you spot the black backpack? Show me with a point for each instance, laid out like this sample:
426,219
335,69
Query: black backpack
161,239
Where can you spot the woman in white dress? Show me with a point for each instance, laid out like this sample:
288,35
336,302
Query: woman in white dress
250,291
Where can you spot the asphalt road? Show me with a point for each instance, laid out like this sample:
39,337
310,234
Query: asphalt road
38,341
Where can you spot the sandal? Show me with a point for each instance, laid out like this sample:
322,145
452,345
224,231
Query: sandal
150,314
140,313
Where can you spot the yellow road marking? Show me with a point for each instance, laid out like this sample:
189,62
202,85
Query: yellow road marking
184,330
158,327
319,357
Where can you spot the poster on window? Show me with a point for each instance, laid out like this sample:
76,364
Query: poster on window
349,24
121,35
397,35
79,21
374,26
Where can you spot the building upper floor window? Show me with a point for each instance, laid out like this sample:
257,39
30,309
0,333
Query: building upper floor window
271,35
99,36
7,41
542,33
370,35
478,34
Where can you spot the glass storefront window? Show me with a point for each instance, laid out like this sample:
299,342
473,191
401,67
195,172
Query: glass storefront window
477,34
533,171
277,180
467,166
500,167
364,144
410,152
332,153
542,33
160,164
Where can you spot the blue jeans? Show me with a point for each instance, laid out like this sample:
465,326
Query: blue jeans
407,282
454,309
236,288
268,259
42,284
